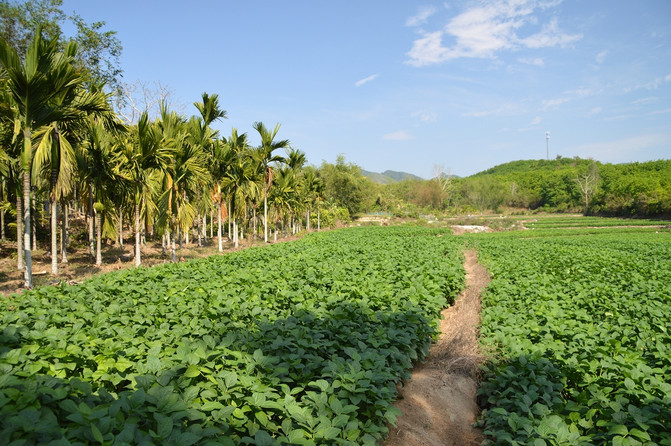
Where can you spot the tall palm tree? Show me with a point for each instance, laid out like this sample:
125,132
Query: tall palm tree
264,156
183,179
237,172
35,85
203,135
54,157
146,154
100,159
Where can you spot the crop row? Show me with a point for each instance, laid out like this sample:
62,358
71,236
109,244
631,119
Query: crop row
581,327
299,343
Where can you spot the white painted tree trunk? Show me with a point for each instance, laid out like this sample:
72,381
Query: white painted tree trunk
64,232
219,235
20,265
54,237
138,260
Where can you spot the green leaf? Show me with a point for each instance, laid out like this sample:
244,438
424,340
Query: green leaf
97,435
262,438
192,371
619,429
164,425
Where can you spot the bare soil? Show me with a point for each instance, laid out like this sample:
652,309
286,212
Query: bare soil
438,403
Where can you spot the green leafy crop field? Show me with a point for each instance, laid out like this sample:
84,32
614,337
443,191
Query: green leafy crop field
296,343
580,325
305,342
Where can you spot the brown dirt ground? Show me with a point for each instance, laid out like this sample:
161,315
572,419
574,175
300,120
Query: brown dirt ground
438,403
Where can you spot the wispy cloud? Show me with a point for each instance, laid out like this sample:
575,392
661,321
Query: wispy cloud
601,57
425,116
366,80
551,103
537,61
505,109
424,13
651,85
537,120
484,30
642,101
400,135
595,111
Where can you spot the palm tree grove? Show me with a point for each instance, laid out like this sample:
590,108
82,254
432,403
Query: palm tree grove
67,156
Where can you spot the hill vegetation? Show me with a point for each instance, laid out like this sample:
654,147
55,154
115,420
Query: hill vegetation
389,176
640,189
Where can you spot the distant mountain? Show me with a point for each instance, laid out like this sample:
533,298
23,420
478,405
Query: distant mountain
389,176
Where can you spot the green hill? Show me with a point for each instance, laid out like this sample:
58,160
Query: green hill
389,176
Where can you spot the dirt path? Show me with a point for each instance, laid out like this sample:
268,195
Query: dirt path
438,403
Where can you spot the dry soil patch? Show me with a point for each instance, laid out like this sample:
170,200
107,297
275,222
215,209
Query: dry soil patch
438,403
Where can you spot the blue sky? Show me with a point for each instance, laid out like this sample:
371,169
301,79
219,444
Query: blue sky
407,85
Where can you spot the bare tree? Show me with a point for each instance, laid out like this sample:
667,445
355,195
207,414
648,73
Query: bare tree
444,179
588,182
141,96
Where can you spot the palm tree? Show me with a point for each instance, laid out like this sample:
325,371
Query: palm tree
54,157
100,159
183,179
237,173
202,135
264,156
41,90
146,154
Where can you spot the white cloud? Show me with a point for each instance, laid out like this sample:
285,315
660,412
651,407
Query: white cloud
595,111
550,103
660,112
538,62
365,80
482,31
580,92
400,135
550,36
643,101
424,13
601,57
537,120
425,116
652,85
503,110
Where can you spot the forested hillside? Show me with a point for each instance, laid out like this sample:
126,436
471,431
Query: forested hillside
562,184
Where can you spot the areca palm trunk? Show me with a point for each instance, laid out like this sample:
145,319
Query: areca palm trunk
99,257
91,222
221,246
173,247
34,222
19,232
54,237
138,261
54,224
265,215
121,229
28,271
64,232
229,220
